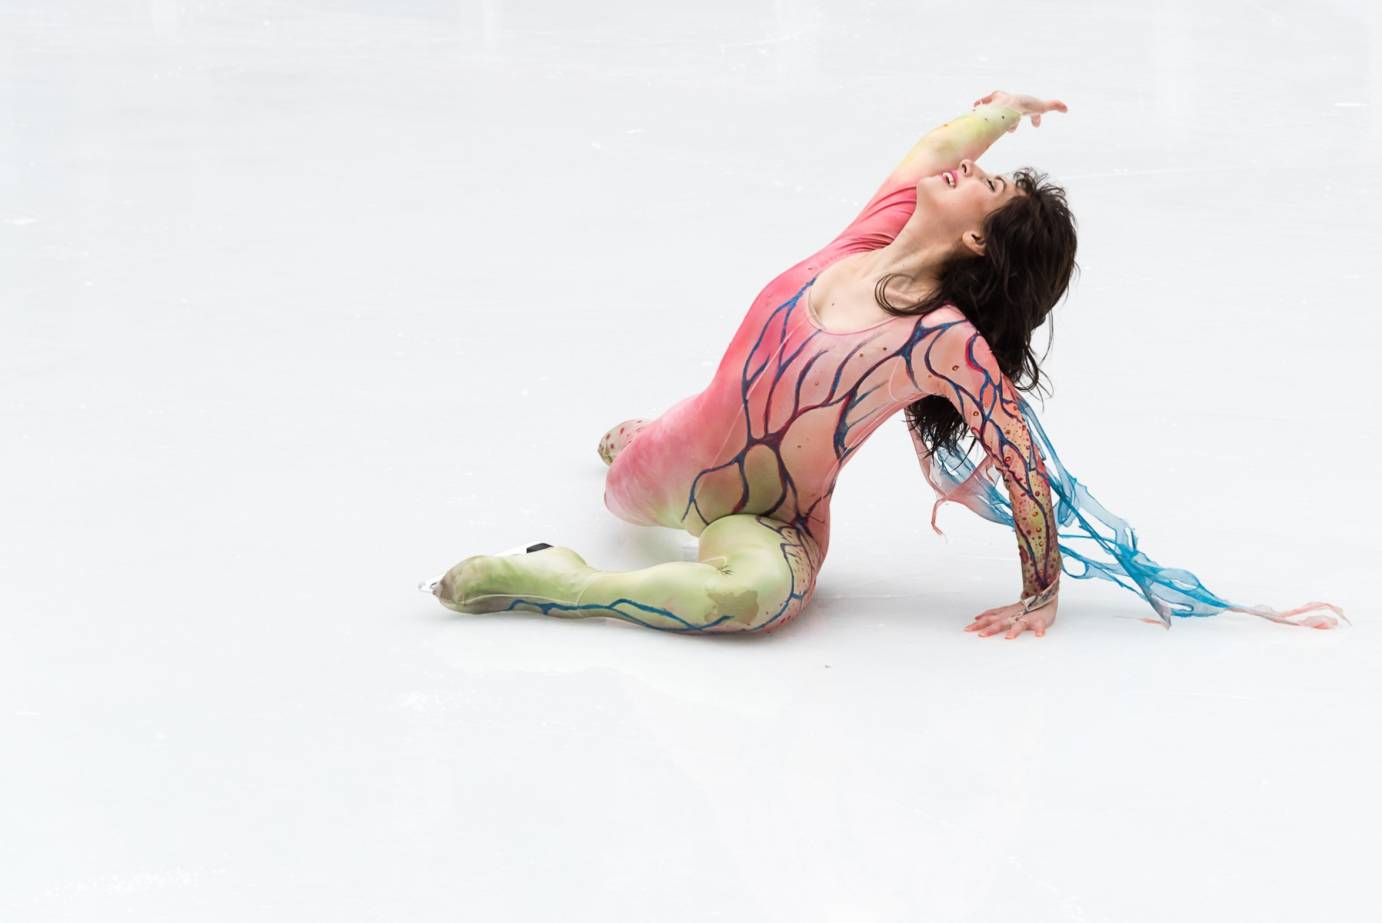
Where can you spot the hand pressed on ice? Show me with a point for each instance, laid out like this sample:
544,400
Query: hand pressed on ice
1024,105
992,621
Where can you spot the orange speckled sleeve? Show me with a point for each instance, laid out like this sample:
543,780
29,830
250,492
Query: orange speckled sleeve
949,357
964,370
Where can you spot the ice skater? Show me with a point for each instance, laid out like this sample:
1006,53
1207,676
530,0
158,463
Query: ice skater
926,303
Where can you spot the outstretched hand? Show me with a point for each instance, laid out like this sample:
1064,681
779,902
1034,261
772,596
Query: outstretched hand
1024,105
992,621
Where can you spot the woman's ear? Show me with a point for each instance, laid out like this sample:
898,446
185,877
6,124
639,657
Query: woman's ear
974,241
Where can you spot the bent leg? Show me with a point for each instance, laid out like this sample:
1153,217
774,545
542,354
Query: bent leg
753,574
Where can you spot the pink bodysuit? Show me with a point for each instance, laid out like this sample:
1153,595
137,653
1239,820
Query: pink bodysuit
791,402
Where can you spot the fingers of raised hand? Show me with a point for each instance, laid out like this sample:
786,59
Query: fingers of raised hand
987,99
1054,105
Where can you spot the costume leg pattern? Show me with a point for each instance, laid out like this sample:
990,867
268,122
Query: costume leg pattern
753,574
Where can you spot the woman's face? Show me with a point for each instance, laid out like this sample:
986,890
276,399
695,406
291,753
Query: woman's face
956,202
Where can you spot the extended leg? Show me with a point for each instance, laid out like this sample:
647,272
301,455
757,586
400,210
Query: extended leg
753,574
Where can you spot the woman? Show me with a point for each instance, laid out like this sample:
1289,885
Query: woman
822,358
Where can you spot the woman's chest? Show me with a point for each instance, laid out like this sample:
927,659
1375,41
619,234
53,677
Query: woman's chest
843,310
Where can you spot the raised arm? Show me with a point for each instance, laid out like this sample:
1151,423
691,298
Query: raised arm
970,134
942,148
965,136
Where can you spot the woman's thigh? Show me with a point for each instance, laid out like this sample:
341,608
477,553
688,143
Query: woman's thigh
753,574
769,568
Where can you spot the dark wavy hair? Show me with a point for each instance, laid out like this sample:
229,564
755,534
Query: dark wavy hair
1006,293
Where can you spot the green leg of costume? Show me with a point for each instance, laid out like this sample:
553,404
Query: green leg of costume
753,574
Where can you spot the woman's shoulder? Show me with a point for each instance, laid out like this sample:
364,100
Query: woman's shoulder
948,316
956,334
947,313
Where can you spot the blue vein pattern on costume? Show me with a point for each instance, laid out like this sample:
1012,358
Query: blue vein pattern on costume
771,350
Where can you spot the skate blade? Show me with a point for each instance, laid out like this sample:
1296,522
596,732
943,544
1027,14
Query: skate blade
524,549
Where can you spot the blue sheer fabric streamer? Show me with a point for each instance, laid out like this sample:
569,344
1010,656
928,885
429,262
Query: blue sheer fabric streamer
1093,541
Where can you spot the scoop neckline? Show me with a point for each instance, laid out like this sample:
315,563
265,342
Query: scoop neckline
816,321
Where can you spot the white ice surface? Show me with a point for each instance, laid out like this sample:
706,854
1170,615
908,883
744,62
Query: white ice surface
302,303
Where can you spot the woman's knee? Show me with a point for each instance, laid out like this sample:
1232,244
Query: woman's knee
744,604
740,601
760,584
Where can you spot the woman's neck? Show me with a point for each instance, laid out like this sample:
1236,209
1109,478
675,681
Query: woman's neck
916,260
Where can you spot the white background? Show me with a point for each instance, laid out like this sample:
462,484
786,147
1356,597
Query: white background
302,303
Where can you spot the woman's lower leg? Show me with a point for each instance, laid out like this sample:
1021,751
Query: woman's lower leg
754,574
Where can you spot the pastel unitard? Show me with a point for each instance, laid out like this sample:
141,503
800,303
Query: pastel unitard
791,402
750,463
